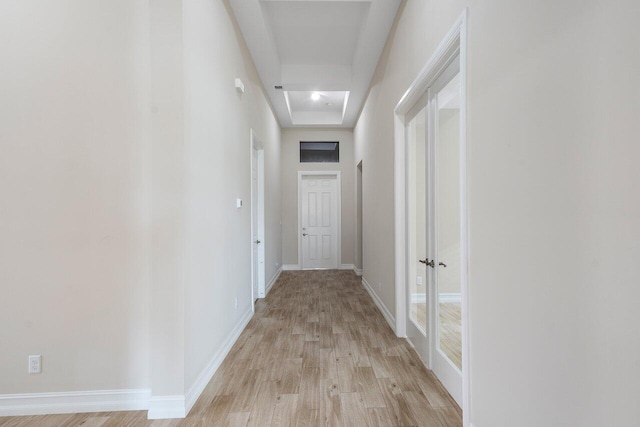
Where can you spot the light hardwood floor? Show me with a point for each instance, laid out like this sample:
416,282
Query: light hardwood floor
451,331
317,353
450,327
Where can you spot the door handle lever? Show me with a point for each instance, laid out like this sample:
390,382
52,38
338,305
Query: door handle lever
442,264
427,262
257,242
304,234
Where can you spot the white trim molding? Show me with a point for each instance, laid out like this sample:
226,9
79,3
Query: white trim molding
74,402
163,407
273,281
291,267
450,297
356,270
207,373
418,298
454,43
383,308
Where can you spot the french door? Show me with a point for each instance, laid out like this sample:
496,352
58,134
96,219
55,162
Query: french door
435,215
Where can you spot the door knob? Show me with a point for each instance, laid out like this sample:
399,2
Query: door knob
442,264
257,242
427,262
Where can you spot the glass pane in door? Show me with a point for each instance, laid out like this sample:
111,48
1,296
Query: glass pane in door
417,142
448,273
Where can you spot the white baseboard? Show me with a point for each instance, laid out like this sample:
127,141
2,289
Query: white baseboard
74,402
419,298
290,267
272,282
162,407
446,297
207,373
450,297
159,407
355,269
383,309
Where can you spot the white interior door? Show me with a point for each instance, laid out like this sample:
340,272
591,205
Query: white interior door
445,197
434,207
418,271
319,209
438,254
257,222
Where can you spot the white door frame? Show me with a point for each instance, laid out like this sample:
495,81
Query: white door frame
257,224
453,44
358,220
302,174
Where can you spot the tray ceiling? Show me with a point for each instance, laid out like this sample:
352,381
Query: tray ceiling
322,52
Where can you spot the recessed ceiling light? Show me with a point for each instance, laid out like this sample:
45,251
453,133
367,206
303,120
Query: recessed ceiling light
315,96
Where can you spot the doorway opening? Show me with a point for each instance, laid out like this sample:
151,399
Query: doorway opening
319,220
257,219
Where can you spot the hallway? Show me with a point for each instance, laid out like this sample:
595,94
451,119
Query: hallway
316,353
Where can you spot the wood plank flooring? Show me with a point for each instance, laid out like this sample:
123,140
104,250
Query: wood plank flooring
317,353
451,331
450,327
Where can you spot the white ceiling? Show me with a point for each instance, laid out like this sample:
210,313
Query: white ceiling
327,108
326,46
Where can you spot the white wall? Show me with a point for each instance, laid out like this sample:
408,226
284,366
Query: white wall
168,194
554,212
124,146
291,165
74,210
218,119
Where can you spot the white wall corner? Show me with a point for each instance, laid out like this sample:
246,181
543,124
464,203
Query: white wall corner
291,267
273,281
207,373
163,407
383,308
74,402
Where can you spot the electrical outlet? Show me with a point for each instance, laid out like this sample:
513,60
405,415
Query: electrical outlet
419,280
276,264
236,303
35,364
